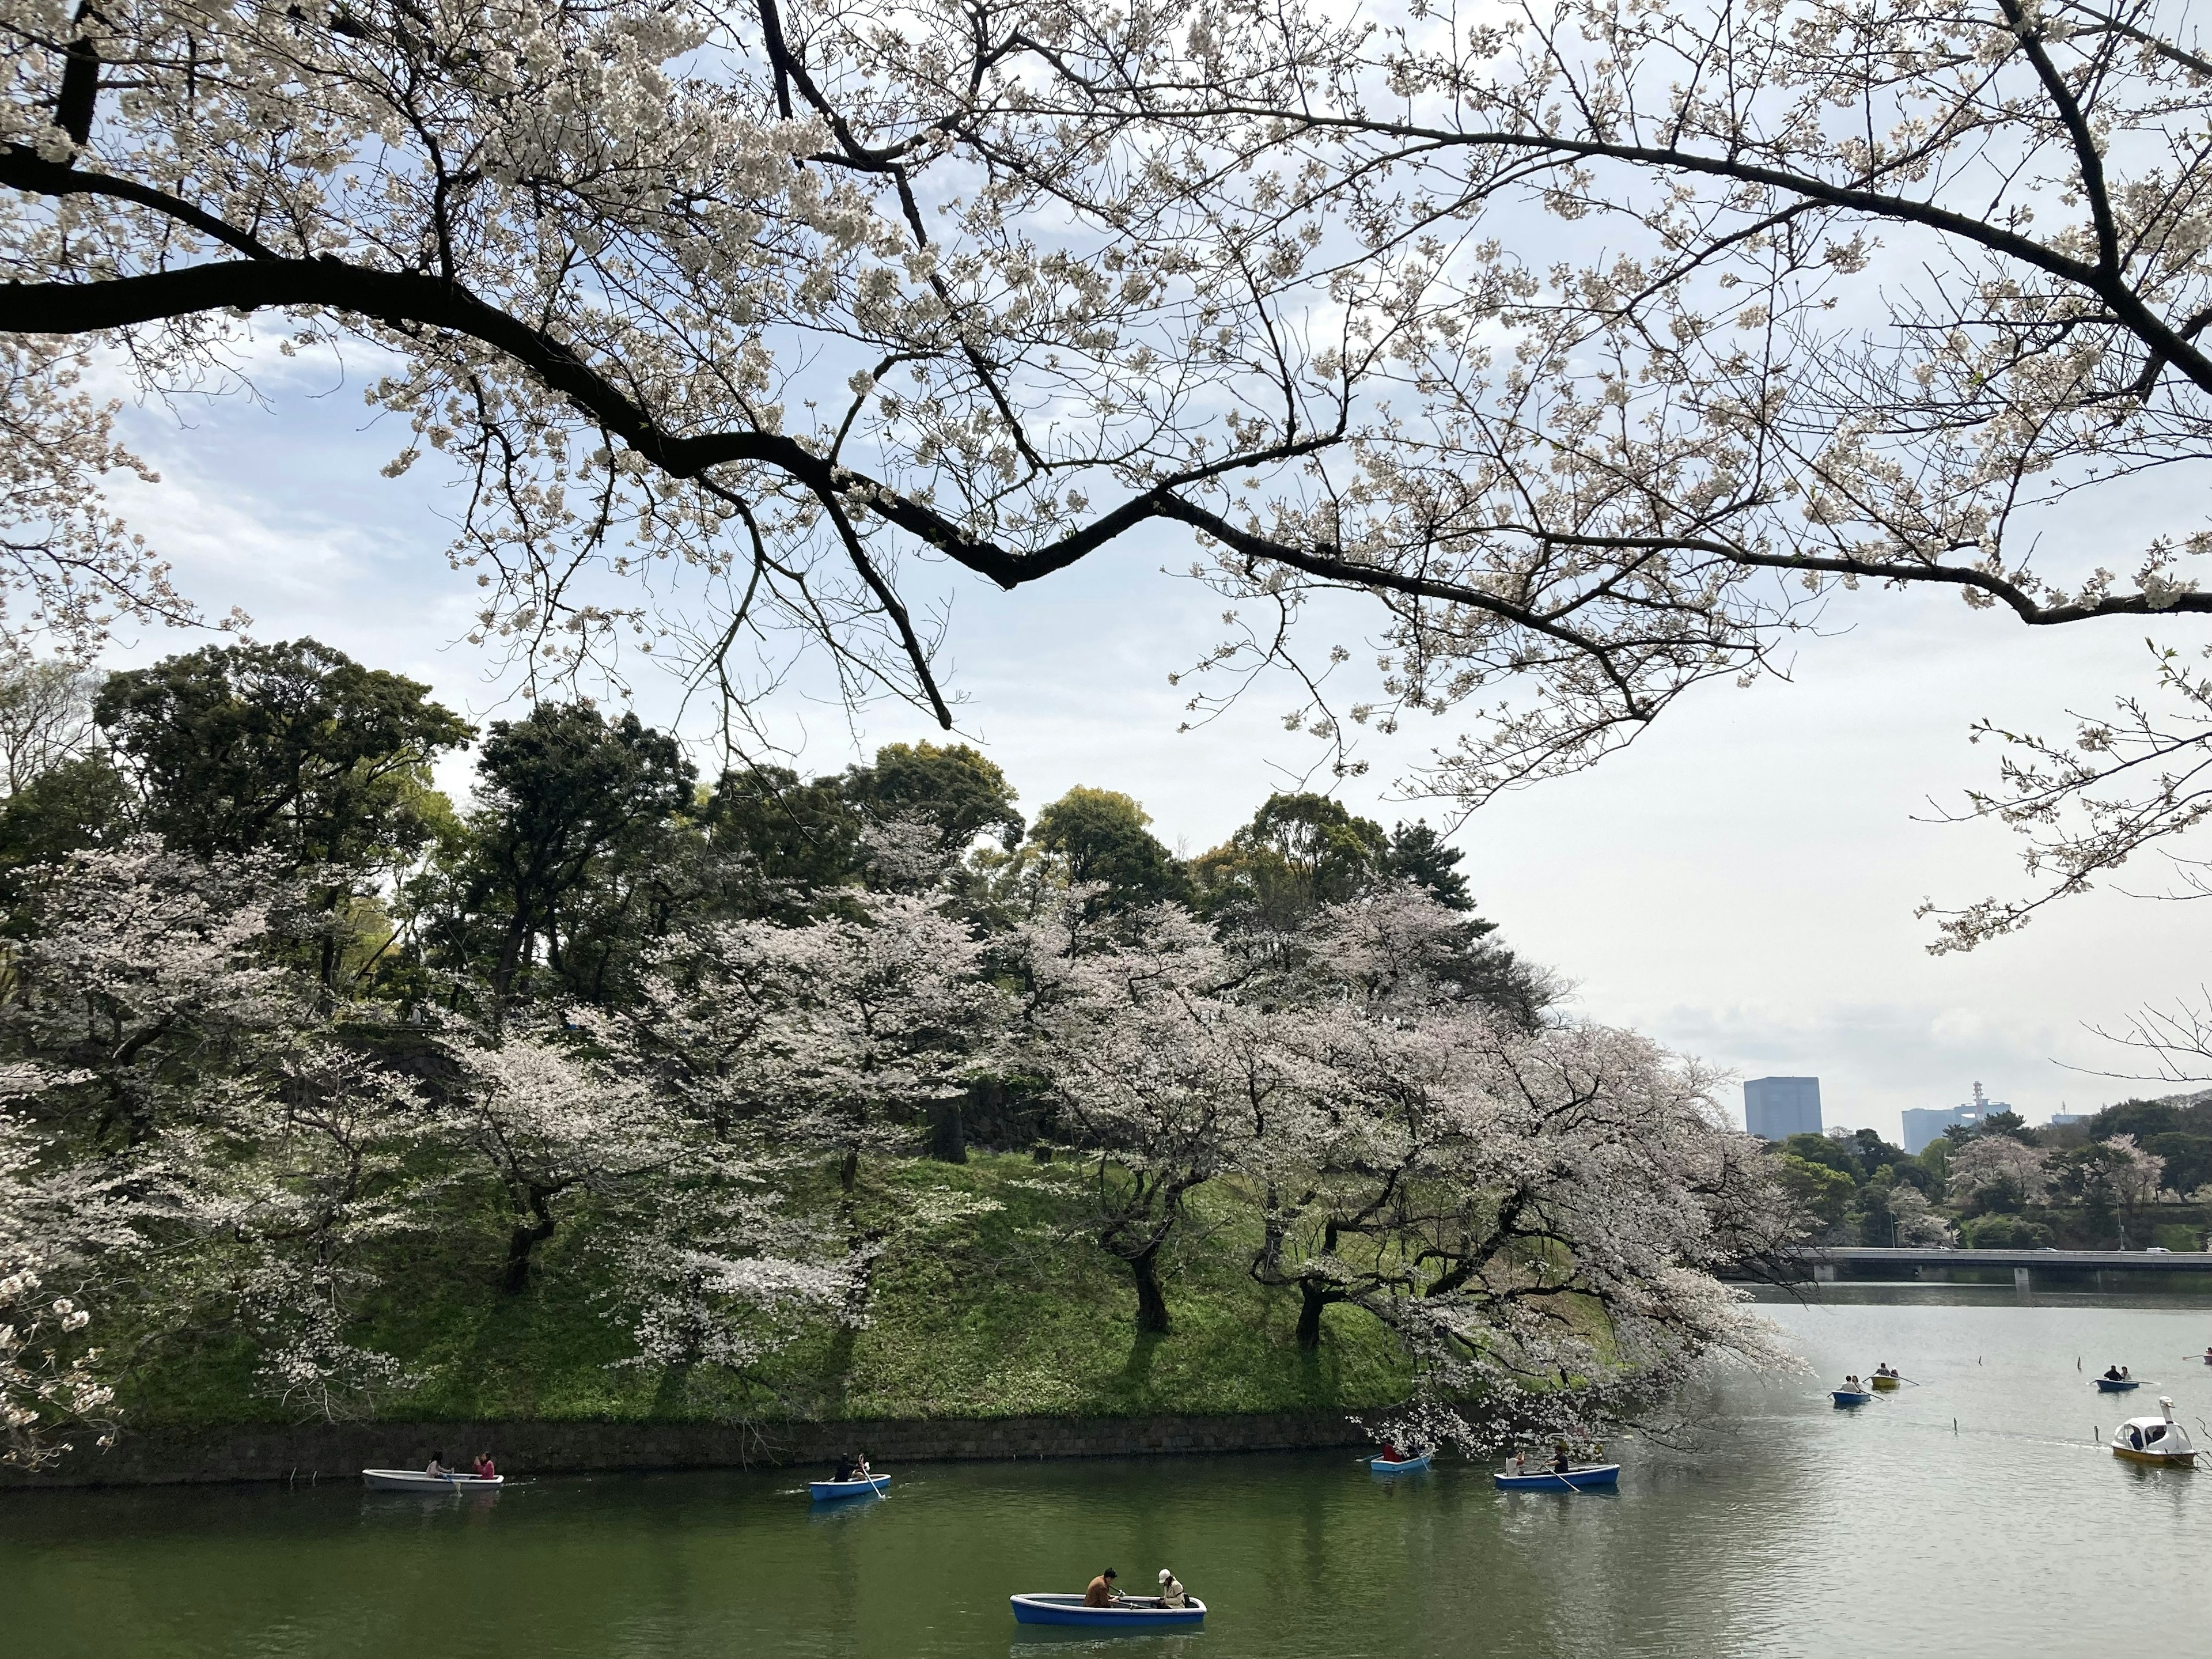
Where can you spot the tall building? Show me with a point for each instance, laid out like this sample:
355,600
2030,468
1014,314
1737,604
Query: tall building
1925,1124
1775,1107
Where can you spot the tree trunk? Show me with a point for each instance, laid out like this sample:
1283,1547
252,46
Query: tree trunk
510,950
849,1172
522,1249
1151,1300
1312,1299
948,1133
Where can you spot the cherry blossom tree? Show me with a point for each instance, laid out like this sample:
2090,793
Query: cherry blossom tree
779,304
152,978
1159,1076
285,1201
552,1124
2011,1171
51,1380
836,1036
1538,1216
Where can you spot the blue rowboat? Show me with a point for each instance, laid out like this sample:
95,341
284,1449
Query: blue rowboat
829,1491
1136,1614
1849,1396
2118,1384
1400,1466
1575,1480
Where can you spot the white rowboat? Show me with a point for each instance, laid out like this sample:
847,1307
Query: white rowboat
417,1481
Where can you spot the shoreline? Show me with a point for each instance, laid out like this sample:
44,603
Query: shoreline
318,1451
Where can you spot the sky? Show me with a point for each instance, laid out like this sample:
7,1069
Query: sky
1739,884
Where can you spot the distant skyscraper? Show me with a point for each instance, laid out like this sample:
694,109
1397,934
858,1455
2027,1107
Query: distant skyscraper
1925,1124
1775,1107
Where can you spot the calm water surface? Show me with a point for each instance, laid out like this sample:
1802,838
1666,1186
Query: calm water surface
1788,1528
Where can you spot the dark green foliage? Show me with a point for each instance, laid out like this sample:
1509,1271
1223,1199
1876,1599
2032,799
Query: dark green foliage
797,841
1103,837
1829,1153
79,804
565,864
1297,853
2004,1232
948,784
2188,1159
2139,1118
1823,1191
292,749
1417,853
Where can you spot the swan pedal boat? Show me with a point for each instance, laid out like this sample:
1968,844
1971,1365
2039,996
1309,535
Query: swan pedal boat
2118,1384
1884,1383
2158,1441
1851,1396
1400,1466
1581,1478
1134,1612
829,1491
419,1480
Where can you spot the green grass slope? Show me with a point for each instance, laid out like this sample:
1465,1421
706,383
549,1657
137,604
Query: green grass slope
1000,1306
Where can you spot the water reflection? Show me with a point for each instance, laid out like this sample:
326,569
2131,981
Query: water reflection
1979,1513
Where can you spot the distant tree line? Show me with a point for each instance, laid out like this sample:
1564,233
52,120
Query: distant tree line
1999,1184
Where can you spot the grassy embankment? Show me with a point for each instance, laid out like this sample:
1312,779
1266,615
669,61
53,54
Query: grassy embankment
1006,1313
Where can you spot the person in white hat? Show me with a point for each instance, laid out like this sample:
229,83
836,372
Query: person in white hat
1172,1594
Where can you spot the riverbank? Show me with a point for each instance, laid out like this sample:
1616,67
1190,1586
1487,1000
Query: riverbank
311,1453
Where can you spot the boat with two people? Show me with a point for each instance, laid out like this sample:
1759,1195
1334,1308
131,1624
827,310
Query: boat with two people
853,1478
1853,1392
435,1478
1564,1474
2116,1380
1885,1378
2158,1440
1394,1459
1102,1606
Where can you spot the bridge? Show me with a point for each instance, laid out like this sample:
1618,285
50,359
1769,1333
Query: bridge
1828,1264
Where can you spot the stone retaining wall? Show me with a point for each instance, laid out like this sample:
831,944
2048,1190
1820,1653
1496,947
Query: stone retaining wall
327,1451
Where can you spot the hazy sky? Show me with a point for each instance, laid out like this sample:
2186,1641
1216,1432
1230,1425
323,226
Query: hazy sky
1741,884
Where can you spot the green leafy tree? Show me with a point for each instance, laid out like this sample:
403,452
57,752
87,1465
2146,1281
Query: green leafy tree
1823,1192
949,785
572,829
1829,1153
1105,836
785,846
1298,852
74,806
293,750
2004,1232
1417,853
2187,1158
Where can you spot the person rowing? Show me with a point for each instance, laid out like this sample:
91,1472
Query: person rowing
1883,1370
2115,1373
437,1466
852,1469
1101,1593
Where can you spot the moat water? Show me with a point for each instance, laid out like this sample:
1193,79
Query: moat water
1976,1514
